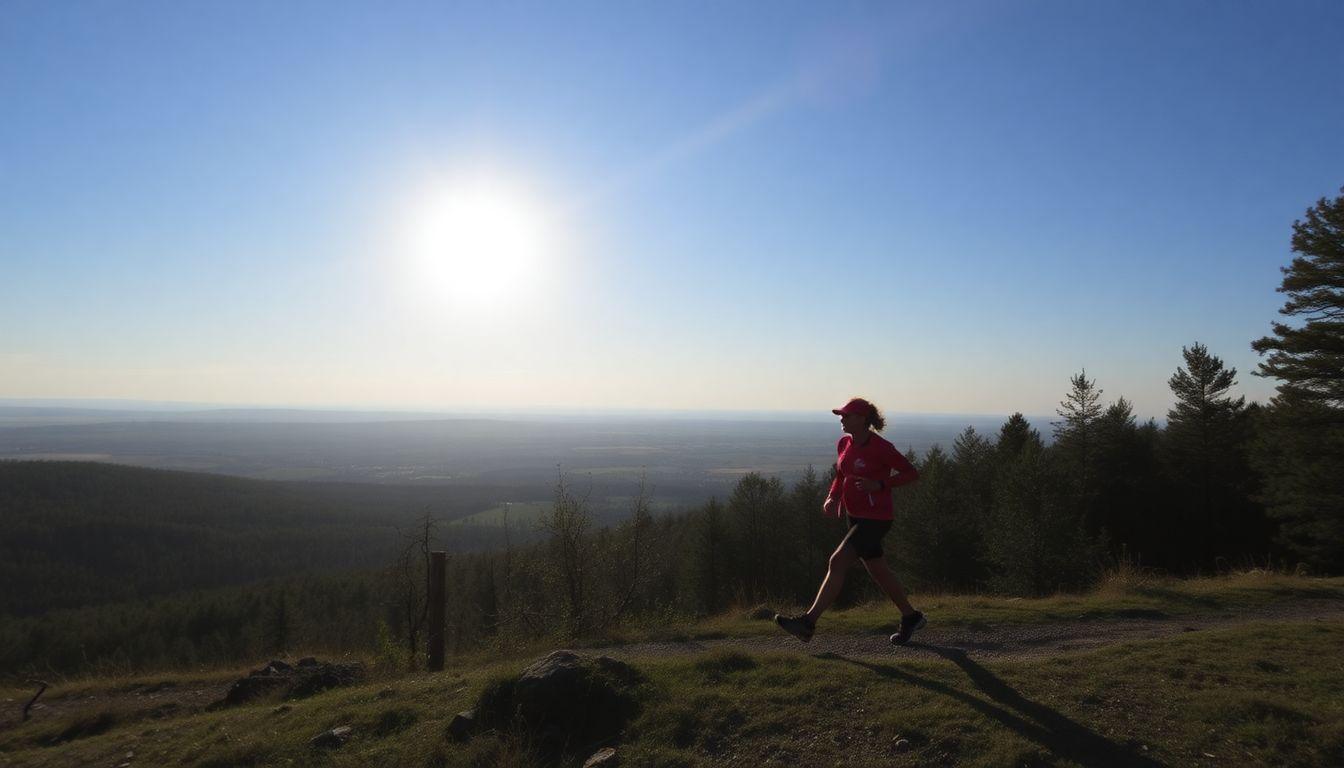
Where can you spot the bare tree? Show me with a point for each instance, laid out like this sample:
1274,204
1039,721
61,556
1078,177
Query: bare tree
411,573
567,524
632,566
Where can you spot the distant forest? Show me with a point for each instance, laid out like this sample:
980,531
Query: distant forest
79,533
1222,485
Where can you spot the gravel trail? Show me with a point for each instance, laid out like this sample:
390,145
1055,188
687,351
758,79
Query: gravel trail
1007,641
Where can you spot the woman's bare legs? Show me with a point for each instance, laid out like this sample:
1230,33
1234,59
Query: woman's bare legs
877,568
842,559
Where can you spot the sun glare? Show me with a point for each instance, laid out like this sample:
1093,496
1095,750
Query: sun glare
479,244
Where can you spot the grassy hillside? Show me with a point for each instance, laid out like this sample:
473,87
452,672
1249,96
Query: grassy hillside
1253,692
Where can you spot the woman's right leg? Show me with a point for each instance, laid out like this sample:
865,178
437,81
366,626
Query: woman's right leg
841,560
877,568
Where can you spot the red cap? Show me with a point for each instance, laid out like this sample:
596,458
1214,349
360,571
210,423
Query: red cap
857,405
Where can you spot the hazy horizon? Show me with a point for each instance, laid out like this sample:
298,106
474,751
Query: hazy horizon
948,208
170,407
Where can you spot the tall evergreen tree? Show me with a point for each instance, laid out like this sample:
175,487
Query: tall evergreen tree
1119,474
1300,448
1076,444
1015,434
1205,447
1308,360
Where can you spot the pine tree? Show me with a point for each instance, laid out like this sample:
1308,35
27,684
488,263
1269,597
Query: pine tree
1300,445
1119,474
1205,444
1015,434
1076,444
1308,361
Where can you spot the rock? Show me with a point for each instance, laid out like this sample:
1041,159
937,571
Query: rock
462,726
308,661
387,693
760,613
563,701
282,709
279,678
605,757
315,679
254,686
332,739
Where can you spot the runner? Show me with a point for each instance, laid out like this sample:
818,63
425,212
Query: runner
862,492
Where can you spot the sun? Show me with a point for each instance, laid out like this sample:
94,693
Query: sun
480,243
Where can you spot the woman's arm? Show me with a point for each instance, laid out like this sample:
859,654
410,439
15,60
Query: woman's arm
831,507
905,471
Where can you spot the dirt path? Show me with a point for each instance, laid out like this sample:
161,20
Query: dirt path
143,701
1008,641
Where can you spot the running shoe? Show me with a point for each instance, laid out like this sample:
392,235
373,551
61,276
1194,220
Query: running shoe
909,626
799,626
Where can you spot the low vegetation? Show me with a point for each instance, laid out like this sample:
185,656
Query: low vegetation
1262,693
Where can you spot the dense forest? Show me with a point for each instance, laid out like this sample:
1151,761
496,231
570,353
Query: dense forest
78,533
1221,485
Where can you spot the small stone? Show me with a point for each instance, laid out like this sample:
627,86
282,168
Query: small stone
282,709
332,739
902,745
462,726
760,613
387,693
605,757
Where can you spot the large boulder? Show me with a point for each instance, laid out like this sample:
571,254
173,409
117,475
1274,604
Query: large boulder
565,702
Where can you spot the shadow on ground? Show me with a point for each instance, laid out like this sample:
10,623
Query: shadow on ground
1053,731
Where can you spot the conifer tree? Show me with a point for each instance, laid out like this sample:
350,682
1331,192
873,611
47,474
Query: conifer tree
1308,360
1205,443
1300,445
1120,472
1075,441
1015,434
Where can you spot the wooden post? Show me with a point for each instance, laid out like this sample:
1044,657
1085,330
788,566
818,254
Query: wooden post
438,576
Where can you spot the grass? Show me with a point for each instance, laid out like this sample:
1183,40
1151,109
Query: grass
1259,694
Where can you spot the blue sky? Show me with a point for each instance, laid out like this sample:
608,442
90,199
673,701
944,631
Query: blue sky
947,207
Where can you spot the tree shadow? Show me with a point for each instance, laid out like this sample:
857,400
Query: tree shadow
1062,736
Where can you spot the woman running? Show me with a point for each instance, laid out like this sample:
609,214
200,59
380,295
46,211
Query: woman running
862,491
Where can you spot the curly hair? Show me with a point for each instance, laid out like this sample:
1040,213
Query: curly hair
875,419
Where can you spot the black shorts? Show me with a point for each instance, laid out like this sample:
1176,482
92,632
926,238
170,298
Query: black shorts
865,536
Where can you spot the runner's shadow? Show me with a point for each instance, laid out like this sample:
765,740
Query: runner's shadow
1062,736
